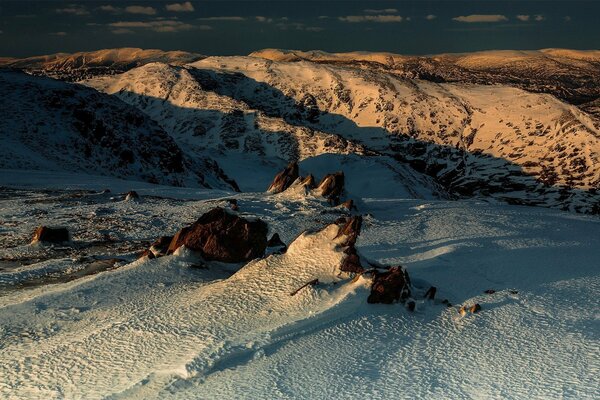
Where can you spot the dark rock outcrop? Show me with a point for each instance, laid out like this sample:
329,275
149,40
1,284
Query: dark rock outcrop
220,236
349,205
284,179
351,229
45,234
332,187
430,294
390,286
309,182
132,195
351,263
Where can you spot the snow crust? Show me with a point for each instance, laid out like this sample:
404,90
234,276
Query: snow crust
162,329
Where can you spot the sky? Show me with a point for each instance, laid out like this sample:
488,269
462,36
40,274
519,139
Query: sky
227,27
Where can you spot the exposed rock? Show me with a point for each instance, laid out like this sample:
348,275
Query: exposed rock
489,291
390,286
50,235
351,229
284,179
308,182
160,246
332,186
349,205
475,308
220,236
411,305
430,294
132,195
351,263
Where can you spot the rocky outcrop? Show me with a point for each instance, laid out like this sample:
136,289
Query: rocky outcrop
390,286
220,236
350,228
132,195
332,186
284,179
45,234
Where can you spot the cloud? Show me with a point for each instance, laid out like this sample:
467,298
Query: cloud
430,17
297,26
567,18
371,18
539,17
260,18
382,11
1,32
223,18
59,33
158,26
323,17
481,18
122,31
180,7
140,10
523,18
73,9
109,8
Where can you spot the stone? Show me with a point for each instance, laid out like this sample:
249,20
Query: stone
390,286
284,179
221,236
45,234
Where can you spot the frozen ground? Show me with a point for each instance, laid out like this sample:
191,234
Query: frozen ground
163,329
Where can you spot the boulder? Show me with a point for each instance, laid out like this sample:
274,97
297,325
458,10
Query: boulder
220,236
132,195
332,186
50,235
430,294
284,179
390,286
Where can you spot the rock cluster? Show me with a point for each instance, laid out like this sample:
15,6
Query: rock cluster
45,234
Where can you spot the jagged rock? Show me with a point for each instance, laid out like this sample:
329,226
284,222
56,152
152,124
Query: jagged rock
430,294
489,291
351,263
50,235
332,186
275,241
411,305
390,286
349,205
284,179
132,195
220,236
351,229
308,182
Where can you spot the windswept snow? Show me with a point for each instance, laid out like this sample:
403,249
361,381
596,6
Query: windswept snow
163,329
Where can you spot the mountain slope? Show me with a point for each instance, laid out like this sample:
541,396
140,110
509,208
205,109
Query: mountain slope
81,65
52,125
571,75
250,141
490,141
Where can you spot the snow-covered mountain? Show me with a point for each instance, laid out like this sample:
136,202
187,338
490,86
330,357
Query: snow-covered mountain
571,75
52,125
474,140
80,65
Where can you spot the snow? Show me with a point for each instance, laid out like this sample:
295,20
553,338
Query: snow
163,329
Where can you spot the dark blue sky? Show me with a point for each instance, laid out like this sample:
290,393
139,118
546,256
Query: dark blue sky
223,27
